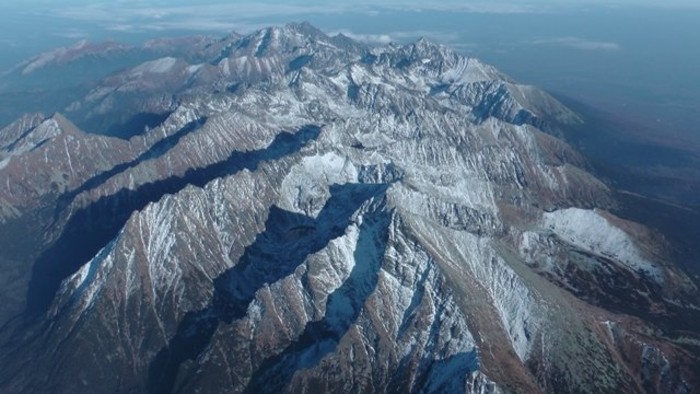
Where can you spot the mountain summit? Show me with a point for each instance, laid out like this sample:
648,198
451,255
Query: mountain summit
295,212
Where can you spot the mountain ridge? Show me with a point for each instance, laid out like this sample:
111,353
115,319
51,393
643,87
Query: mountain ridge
474,277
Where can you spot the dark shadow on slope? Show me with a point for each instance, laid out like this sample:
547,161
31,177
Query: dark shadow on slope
416,301
92,227
496,104
264,43
11,146
300,62
135,125
343,307
289,238
157,150
450,375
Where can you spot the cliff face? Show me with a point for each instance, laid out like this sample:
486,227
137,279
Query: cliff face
315,215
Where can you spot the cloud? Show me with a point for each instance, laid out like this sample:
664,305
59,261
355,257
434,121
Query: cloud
195,25
399,36
579,43
9,43
218,15
221,10
368,38
130,9
109,12
131,16
502,7
464,46
73,34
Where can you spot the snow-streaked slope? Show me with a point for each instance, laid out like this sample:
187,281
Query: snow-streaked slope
587,229
319,215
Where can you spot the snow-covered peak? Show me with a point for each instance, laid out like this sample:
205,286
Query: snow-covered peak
434,63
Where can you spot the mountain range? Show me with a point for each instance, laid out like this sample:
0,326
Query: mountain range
287,211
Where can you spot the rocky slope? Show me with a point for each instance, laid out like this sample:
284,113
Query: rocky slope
315,215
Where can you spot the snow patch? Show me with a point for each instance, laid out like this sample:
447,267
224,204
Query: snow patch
194,68
48,57
469,70
588,230
158,66
305,189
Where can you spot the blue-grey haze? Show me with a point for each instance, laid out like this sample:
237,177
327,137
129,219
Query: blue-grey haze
634,58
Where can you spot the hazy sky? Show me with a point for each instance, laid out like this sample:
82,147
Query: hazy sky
80,18
41,23
637,53
122,15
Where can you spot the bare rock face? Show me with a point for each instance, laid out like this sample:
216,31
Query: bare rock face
315,215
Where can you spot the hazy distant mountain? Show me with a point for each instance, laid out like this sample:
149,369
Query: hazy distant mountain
294,212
